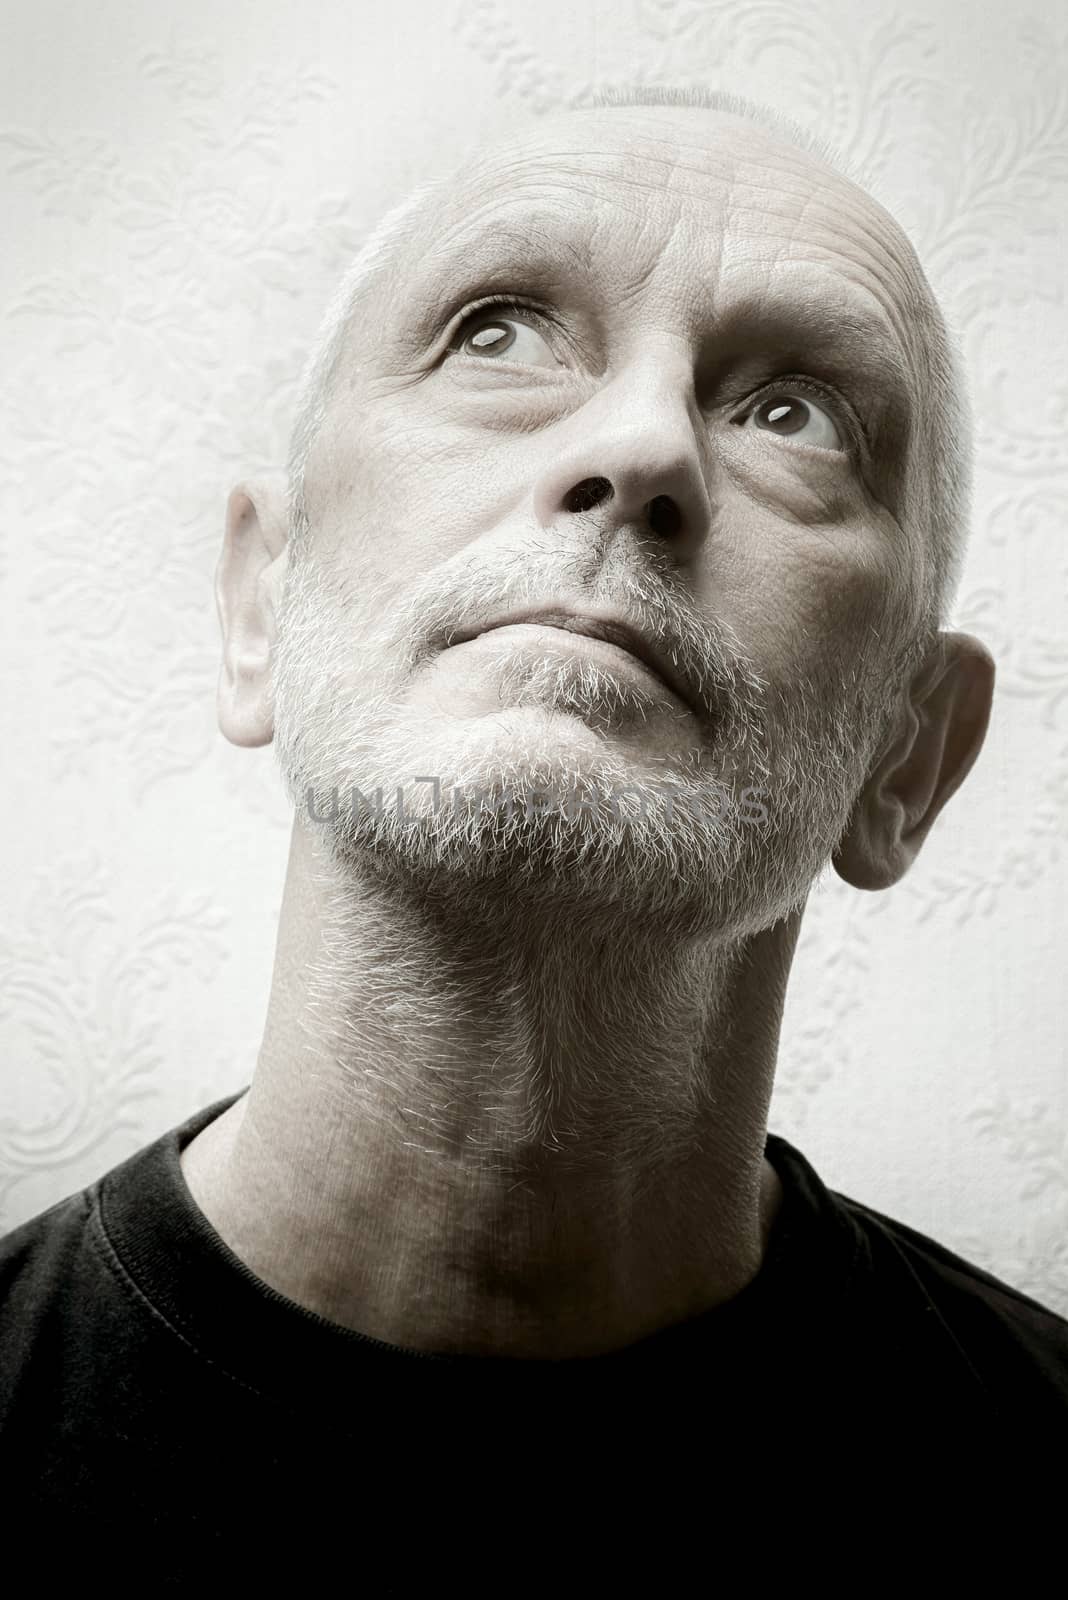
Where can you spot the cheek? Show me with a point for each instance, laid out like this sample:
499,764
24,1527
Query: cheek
402,485
806,595
356,491
330,487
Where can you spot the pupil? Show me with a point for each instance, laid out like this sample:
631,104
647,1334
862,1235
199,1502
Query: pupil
793,414
496,337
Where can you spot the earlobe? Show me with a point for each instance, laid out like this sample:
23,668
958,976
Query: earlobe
247,583
942,734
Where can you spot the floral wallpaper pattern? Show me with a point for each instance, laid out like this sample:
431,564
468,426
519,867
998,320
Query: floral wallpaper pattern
182,186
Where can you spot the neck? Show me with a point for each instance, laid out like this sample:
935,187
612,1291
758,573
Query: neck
481,1126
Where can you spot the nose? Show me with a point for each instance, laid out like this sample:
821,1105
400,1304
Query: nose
633,456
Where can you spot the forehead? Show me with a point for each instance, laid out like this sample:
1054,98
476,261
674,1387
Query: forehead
684,203
642,153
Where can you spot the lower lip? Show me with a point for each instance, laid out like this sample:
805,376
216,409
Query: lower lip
612,655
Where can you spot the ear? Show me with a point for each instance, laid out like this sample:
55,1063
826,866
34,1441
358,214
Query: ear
945,723
248,587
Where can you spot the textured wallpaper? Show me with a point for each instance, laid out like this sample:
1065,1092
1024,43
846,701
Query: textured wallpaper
181,187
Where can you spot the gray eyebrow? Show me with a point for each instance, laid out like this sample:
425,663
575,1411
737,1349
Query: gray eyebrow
845,336
499,250
850,321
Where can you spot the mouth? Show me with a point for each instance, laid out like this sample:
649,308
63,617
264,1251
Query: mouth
609,630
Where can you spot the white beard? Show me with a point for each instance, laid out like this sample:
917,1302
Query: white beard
756,808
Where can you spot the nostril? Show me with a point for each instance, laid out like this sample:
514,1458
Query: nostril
664,516
587,494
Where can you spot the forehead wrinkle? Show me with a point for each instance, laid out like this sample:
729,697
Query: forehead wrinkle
772,198
726,171
763,162
719,159
528,244
489,246
728,142
891,275
891,262
879,279
506,244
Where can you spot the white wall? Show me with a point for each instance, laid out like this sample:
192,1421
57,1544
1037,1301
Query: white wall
182,185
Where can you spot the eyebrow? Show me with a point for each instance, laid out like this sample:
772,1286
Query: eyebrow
502,252
845,337
844,340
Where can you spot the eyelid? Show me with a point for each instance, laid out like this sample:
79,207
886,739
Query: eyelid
855,430
491,302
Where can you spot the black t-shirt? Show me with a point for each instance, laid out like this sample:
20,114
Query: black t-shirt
160,1404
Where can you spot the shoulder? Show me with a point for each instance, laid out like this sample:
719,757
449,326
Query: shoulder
39,1249
1016,1344
49,1270
39,1256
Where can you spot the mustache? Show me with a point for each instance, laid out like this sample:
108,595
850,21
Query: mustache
703,654
409,624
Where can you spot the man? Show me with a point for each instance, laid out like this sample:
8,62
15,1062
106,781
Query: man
627,495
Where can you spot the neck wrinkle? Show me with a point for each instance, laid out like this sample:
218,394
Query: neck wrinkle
478,1130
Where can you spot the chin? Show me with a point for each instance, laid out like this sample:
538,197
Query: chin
522,751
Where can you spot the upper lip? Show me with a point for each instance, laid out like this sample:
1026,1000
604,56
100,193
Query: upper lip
612,629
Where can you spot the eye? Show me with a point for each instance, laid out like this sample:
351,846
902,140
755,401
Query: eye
793,414
487,334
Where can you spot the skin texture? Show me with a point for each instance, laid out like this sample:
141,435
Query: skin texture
513,1088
